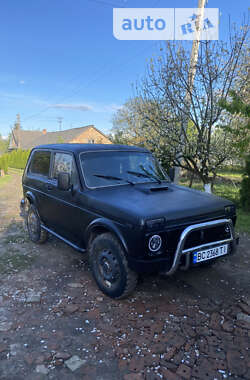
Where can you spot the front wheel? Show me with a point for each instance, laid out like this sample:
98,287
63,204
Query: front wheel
110,268
33,222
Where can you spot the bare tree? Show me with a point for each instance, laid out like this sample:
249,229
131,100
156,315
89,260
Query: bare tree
159,111
132,128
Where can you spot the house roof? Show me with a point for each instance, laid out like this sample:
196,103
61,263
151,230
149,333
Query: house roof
30,139
23,139
60,136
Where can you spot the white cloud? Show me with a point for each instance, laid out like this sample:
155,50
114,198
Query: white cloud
90,106
107,107
113,107
79,107
21,82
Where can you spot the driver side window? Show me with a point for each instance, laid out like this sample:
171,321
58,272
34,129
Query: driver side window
64,162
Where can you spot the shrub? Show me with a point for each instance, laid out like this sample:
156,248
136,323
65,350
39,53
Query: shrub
16,159
245,187
4,164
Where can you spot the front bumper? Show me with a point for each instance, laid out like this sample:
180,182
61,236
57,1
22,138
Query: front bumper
169,266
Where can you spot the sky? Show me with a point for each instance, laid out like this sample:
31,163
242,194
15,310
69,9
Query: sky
59,59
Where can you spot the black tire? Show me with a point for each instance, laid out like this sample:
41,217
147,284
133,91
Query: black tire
110,268
33,223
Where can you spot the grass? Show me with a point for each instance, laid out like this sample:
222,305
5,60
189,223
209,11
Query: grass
233,176
243,221
15,170
4,180
231,192
225,190
231,170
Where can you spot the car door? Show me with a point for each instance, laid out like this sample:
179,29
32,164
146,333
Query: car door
37,181
65,213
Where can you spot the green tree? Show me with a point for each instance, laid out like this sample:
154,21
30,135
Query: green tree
131,128
238,105
240,128
245,187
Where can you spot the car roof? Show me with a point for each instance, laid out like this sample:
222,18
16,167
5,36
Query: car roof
79,148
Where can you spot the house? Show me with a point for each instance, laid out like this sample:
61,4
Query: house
24,139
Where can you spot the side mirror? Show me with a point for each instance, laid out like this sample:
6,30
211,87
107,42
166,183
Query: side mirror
63,181
171,174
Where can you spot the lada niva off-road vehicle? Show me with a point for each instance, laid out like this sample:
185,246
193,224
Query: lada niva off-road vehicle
117,203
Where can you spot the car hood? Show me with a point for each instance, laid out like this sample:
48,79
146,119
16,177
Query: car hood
135,204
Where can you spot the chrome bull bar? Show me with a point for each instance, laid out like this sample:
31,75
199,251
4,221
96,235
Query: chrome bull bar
180,251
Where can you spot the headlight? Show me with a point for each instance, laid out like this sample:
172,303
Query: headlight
154,243
230,210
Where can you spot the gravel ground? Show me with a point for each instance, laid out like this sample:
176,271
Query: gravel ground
56,324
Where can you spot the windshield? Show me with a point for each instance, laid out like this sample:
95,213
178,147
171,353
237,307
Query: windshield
117,168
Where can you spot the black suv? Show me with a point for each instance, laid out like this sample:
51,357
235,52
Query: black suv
117,203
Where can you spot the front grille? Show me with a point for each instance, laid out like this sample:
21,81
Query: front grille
208,235
195,238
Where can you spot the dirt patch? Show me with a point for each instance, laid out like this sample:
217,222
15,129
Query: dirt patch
56,324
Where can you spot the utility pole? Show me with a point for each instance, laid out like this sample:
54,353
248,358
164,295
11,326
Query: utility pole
60,119
18,121
17,130
191,74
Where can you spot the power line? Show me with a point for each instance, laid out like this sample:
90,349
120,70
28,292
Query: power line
76,77
105,68
61,100
97,72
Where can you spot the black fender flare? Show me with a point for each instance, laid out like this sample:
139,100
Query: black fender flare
31,197
107,225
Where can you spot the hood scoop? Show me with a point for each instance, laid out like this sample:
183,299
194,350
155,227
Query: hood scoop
161,188
153,189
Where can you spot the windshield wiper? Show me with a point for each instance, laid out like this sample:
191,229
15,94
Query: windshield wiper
139,174
155,174
111,177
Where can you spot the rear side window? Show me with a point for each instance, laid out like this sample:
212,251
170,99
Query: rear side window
40,163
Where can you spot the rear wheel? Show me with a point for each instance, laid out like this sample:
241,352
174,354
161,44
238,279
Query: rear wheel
33,222
110,268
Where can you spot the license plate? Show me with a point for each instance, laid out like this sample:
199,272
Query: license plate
211,253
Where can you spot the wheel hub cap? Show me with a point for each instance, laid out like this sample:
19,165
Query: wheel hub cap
108,267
